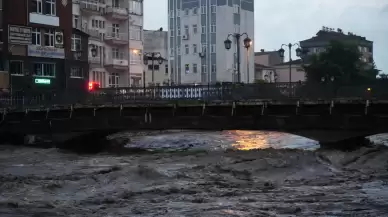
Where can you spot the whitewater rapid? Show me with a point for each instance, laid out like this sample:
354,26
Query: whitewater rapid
207,177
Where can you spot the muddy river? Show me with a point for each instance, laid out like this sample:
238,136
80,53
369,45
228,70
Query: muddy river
204,174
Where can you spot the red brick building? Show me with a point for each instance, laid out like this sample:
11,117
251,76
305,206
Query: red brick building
41,50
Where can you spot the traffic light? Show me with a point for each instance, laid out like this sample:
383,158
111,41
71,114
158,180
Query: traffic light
92,86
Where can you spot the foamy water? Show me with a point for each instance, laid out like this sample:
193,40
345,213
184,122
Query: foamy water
202,179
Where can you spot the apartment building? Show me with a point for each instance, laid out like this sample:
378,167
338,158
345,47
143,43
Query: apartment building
157,73
42,53
115,28
197,30
322,39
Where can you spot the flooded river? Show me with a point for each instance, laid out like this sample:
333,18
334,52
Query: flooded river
190,174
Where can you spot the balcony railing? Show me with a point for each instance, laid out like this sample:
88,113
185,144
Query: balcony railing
91,7
121,64
95,60
116,38
117,13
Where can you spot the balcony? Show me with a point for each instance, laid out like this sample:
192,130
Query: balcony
116,38
95,62
118,64
117,13
91,8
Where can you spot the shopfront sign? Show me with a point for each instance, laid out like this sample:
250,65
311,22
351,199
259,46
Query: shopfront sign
46,52
20,35
42,81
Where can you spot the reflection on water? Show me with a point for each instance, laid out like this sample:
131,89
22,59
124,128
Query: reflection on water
248,140
221,140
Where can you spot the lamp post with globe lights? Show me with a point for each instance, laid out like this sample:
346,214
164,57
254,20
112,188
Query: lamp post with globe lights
299,53
228,44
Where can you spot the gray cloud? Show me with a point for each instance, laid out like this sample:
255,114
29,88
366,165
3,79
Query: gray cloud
283,21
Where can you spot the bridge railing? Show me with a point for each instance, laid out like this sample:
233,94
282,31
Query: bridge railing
235,92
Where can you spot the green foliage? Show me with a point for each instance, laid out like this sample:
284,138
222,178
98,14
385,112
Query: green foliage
259,81
342,62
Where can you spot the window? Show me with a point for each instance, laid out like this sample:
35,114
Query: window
186,30
135,7
214,68
76,72
135,33
178,50
213,48
203,29
44,69
75,42
49,38
178,32
116,54
195,11
76,21
114,80
236,28
236,9
134,56
166,69
195,49
187,68
37,6
195,28
213,28
195,70
50,7
187,50
203,9
171,13
204,69
99,77
172,52
115,30
187,12
204,48
213,8
16,67
36,36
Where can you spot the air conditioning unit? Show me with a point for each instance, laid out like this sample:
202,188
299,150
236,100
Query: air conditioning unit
59,39
185,37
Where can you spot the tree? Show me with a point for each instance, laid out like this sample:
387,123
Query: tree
341,62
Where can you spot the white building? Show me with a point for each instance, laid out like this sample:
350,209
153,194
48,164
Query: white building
116,31
156,42
197,30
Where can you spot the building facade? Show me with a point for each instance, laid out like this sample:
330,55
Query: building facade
116,33
322,39
197,30
156,42
41,51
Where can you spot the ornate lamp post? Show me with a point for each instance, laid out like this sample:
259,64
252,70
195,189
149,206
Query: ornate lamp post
153,56
299,53
228,45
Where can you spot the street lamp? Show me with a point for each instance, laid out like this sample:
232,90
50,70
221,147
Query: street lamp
228,44
299,53
153,56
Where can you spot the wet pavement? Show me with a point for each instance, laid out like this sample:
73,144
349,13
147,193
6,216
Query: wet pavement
205,174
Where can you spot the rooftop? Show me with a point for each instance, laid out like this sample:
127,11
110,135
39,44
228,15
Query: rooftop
328,34
293,62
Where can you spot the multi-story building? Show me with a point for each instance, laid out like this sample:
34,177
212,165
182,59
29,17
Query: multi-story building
116,33
324,36
197,31
41,51
156,42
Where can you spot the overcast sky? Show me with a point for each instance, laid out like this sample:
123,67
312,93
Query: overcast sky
284,21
